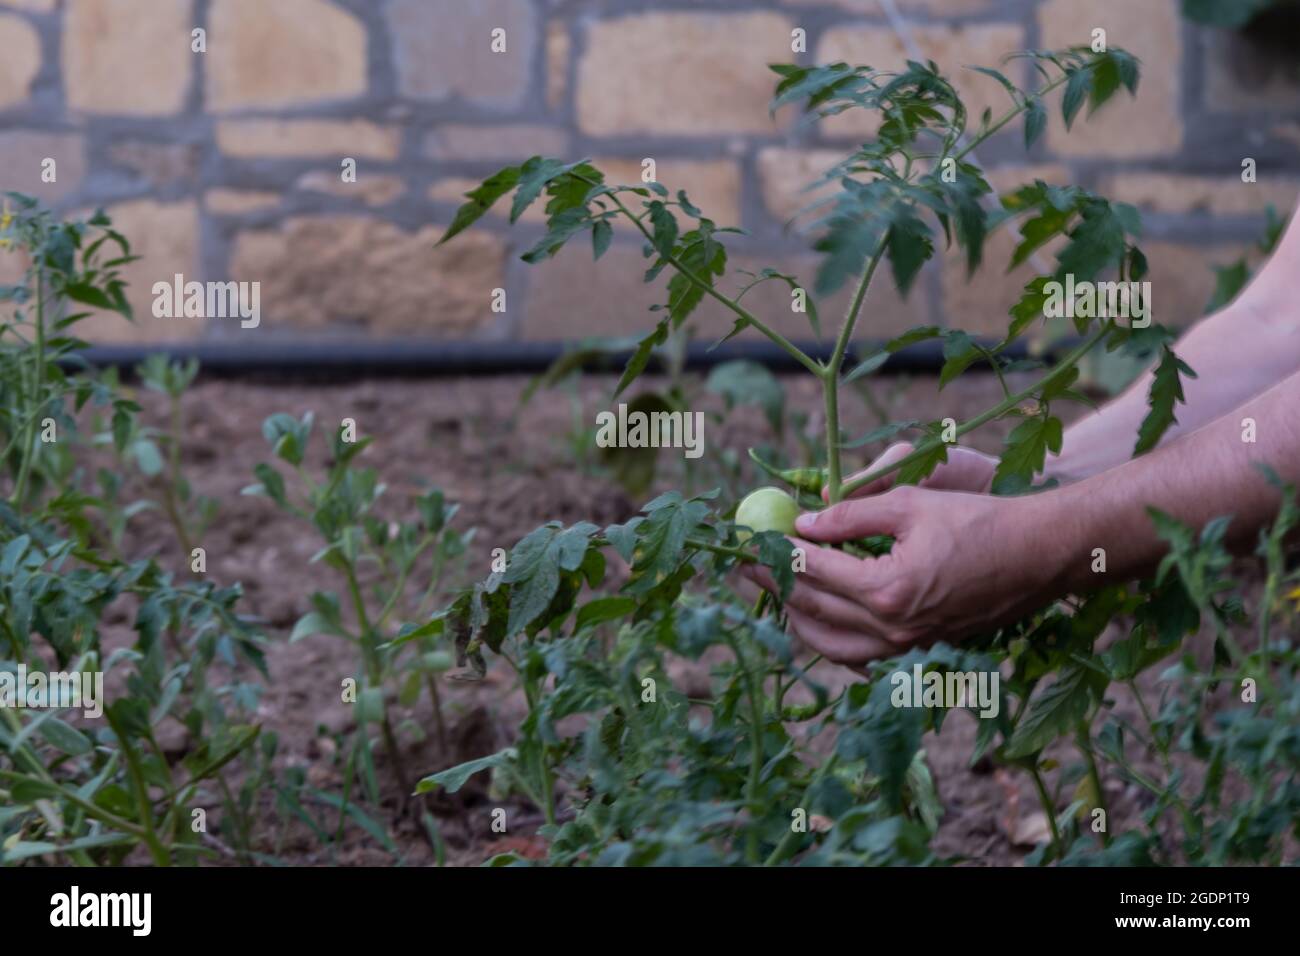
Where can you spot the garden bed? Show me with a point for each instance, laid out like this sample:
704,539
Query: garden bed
508,465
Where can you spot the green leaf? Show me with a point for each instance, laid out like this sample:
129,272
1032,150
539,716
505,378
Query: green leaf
1229,280
602,610
1106,81
1037,232
909,246
288,436
1096,243
705,258
481,200
662,539
1054,712
1076,92
455,777
868,365
742,382
846,246
1035,122
809,480
537,564
602,233
665,228
1127,658
534,176
888,739
272,484
1026,451
1007,85
922,333
418,632
147,457
369,707
636,364
776,552
90,295
1166,392
560,229
309,625
1030,308
65,738
931,458
959,353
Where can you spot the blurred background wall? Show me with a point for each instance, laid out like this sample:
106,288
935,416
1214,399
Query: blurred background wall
225,164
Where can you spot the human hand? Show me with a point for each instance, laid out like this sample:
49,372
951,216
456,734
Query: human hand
965,470
960,563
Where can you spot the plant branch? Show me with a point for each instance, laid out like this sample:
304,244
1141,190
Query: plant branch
786,345
924,448
830,376
1013,113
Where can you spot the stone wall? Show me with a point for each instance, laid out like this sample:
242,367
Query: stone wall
225,164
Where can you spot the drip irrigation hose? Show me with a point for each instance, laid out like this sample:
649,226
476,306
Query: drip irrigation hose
349,361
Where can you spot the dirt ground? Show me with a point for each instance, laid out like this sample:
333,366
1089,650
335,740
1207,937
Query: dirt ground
510,467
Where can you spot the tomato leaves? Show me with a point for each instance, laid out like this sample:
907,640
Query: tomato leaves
1056,710
536,567
481,199
661,539
1025,453
1166,392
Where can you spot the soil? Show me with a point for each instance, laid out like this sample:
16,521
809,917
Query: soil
510,466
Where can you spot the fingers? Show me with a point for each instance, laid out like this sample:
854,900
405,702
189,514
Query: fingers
839,646
895,452
859,517
826,605
965,470
820,634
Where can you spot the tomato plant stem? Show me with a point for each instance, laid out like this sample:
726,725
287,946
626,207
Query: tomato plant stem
752,692
542,767
830,374
141,792
786,844
738,553
375,674
1084,740
1045,799
38,381
925,448
1012,114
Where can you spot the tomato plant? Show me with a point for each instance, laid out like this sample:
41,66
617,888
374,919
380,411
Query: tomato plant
89,791
771,766
342,507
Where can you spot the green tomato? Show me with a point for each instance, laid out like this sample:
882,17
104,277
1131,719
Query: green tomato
767,509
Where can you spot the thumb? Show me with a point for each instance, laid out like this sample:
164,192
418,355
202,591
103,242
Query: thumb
857,518
893,453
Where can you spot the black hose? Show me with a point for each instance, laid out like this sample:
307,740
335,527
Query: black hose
425,359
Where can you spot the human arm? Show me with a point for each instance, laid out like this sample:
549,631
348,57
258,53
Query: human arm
1237,353
964,562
